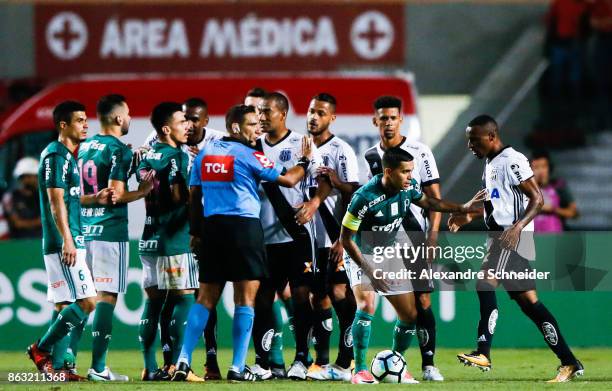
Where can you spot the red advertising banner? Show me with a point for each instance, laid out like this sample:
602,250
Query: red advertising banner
74,39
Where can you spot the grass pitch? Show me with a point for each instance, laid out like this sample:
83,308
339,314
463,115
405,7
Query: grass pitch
513,369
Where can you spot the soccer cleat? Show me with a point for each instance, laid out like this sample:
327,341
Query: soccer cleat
245,376
41,359
475,359
331,372
183,372
105,375
159,375
567,372
180,372
363,377
192,377
278,372
408,379
261,373
431,373
212,373
297,371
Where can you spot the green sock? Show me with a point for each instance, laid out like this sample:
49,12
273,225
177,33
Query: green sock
276,349
101,331
402,335
164,328
70,317
177,325
362,328
60,347
75,337
147,331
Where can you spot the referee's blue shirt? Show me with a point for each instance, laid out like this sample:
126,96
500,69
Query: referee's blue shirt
229,173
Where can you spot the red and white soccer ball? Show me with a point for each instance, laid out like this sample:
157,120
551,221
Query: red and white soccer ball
388,367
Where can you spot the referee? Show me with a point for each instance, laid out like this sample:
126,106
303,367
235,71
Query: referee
224,203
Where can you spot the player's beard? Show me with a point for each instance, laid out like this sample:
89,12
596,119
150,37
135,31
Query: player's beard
316,132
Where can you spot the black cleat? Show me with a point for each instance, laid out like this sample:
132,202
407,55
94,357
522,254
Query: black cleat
245,376
278,372
159,375
181,372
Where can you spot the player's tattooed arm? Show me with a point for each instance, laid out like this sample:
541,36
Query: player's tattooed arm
346,238
510,237
60,217
121,195
103,197
441,205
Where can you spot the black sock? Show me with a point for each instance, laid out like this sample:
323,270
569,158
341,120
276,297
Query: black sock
164,323
488,320
345,310
321,330
210,339
303,325
263,325
426,332
547,324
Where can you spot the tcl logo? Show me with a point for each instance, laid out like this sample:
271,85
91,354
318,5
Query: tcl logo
218,168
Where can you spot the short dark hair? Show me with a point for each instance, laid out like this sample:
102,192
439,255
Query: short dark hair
483,120
63,111
107,104
394,156
195,102
257,92
162,113
281,100
387,102
325,97
236,114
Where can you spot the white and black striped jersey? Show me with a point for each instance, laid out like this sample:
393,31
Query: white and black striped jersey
208,136
278,203
505,203
338,155
425,173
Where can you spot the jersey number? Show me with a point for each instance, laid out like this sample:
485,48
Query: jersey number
89,175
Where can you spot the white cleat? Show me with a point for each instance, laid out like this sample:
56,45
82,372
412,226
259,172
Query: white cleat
297,371
261,373
105,375
331,372
408,379
431,373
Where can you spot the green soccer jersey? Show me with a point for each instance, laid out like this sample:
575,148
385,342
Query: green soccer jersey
102,158
58,170
372,210
166,230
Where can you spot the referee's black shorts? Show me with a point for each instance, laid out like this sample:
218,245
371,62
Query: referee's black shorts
232,249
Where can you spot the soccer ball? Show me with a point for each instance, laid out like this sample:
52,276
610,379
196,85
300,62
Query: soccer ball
388,367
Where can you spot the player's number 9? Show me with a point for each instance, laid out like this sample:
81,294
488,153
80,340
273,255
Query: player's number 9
89,175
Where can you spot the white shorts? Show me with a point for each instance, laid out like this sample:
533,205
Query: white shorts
354,274
108,262
170,272
65,283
